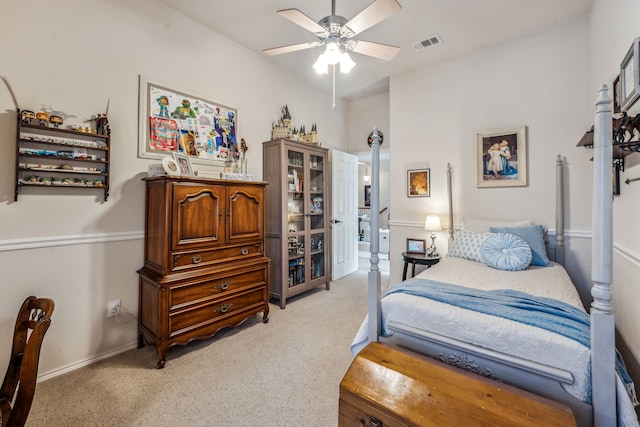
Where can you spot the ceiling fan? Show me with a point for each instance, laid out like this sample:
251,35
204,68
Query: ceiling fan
336,33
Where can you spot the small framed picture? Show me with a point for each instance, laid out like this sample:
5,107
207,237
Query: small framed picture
616,94
367,195
501,157
184,162
416,246
418,183
630,76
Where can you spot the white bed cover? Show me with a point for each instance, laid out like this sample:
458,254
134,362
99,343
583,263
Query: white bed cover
493,332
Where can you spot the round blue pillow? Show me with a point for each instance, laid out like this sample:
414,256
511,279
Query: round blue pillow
505,251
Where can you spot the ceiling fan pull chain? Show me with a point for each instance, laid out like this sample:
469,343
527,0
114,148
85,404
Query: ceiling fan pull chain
333,105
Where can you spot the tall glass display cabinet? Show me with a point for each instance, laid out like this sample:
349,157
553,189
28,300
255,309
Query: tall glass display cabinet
297,231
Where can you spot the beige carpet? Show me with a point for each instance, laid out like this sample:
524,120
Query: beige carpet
283,373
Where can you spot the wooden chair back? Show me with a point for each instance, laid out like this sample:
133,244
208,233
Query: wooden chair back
19,385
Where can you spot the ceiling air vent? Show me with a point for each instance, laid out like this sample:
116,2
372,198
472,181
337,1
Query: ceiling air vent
428,42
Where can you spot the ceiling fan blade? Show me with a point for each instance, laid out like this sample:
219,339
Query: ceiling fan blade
377,50
299,18
290,48
376,12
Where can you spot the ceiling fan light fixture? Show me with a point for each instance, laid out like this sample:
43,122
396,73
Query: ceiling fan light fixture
346,63
321,65
332,54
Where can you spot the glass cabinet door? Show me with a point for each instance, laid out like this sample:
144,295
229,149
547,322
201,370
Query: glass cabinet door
296,208
316,215
296,214
316,191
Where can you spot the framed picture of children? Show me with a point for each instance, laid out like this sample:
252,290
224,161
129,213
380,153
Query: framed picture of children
501,157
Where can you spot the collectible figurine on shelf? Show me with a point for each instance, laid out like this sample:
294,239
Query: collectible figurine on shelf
27,116
43,117
102,125
55,120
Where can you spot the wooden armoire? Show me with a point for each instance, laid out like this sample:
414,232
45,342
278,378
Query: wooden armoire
204,259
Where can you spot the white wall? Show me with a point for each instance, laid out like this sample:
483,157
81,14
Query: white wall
540,81
614,25
75,56
363,114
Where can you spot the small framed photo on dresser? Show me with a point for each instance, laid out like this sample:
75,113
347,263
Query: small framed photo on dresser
184,162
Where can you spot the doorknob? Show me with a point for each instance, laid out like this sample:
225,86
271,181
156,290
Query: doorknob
335,221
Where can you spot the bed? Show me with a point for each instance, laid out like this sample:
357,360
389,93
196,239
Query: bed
527,328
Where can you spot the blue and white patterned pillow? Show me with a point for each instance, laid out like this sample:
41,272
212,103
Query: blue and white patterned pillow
466,244
505,251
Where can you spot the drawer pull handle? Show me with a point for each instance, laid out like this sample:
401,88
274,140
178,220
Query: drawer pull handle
223,308
244,251
224,285
373,421
197,259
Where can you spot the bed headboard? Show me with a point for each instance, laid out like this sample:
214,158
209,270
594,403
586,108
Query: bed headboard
556,252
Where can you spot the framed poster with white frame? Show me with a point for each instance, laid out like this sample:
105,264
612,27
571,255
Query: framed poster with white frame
176,121
501,157
630,76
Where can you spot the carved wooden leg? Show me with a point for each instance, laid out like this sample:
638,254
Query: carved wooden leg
162,351
265,314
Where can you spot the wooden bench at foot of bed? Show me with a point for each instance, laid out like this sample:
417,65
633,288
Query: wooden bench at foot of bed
388,387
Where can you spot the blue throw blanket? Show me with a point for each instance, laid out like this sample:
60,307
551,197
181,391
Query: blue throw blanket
546,313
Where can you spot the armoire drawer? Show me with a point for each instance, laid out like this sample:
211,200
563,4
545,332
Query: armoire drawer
182,320
216,286
205,258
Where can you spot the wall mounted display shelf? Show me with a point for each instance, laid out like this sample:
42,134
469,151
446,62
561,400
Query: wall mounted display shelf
50,157
620,151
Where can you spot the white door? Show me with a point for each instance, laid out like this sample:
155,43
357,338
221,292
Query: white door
344,214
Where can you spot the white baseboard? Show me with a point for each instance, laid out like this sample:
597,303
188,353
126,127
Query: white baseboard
85,362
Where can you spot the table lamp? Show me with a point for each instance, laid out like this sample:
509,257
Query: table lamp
432,224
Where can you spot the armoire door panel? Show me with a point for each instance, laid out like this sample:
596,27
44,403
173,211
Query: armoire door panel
197,216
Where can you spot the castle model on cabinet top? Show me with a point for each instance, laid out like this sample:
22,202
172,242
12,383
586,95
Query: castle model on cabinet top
284,129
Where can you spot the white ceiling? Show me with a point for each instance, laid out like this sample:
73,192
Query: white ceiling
463,26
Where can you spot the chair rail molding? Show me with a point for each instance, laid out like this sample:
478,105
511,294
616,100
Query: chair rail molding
81,239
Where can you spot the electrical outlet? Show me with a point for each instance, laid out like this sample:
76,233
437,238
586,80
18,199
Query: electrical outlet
111,307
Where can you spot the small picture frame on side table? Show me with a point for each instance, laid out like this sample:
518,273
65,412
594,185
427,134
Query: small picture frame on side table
416,246
184,162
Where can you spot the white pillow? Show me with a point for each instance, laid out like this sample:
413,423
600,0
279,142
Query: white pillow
482,225
466,244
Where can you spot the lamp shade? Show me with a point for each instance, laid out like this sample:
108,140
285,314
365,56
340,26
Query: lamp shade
346,63
321,64
432,223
